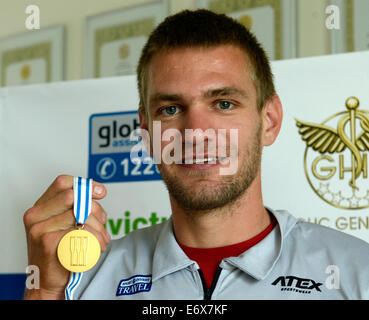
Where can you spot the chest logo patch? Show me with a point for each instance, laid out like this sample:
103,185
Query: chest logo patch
299,285
133,285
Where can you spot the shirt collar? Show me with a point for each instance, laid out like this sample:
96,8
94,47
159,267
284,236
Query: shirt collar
257,261
168,256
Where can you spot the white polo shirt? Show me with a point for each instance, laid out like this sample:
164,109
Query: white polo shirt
297,260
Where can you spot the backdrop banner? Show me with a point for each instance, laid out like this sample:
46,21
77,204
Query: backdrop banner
317,169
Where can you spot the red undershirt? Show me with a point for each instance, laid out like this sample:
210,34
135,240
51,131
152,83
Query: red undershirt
209,259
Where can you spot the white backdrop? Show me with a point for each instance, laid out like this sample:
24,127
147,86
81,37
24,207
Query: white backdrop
44,132
312,90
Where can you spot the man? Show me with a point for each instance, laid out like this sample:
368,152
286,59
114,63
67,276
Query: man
200,70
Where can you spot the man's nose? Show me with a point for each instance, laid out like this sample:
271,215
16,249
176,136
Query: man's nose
197,117
199,132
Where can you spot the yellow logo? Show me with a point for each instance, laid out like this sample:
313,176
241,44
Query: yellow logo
124,51
336,156
246,21
25,72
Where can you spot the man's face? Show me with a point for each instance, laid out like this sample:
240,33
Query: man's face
205,88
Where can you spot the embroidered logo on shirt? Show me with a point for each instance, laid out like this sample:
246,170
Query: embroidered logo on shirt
134,284
300,285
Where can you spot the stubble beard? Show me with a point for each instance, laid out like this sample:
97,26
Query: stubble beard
224,192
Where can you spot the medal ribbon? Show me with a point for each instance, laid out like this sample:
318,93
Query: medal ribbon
82,208
82,199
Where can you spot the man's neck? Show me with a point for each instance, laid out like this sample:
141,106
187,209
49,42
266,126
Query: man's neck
234,223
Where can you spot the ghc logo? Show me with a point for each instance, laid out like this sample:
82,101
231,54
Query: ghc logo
336,156
300,285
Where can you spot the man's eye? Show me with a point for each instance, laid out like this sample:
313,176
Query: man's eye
225,105
170,110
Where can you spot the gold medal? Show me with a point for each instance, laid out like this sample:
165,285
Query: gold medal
78,250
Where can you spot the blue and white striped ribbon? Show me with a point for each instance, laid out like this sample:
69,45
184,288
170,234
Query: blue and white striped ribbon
82,199
82,208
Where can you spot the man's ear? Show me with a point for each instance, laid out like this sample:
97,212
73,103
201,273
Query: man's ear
272,115
143,118
145,132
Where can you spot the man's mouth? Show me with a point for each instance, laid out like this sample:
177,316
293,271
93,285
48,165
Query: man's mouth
202,160
202,163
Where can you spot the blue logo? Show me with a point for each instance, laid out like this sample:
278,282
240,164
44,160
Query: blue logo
116,153
133,285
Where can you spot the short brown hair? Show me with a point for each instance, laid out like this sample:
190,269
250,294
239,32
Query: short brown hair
203,28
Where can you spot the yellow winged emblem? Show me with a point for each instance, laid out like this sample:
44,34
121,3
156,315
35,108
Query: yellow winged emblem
323,138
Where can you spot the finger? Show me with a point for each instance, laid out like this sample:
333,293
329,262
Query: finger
65,182
96,224
60,203
49,241
98,212
61,183
98,190
60,222
100,237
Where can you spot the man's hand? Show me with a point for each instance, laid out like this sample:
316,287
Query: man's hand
47,222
